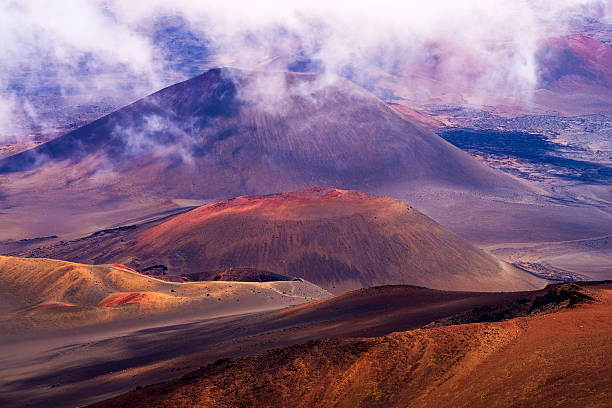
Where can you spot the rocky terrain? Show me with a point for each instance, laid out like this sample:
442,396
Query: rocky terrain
509,362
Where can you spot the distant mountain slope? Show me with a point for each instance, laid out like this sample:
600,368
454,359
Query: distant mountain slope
574,75
337,239
571,75
233,274
578,56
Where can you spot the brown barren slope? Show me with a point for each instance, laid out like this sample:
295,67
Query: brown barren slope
510,363
337,239
102,361
51,294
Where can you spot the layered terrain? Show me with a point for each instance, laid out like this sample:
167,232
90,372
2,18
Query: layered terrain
508,363
336,239
555,134
456,255
225,133
64,368
45,294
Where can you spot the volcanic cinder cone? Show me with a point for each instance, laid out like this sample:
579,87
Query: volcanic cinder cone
336,239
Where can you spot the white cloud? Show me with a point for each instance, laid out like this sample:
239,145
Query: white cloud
66,48
95,48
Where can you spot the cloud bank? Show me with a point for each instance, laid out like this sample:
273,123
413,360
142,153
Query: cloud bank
75,52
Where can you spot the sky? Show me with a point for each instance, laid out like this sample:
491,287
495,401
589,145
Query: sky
60,54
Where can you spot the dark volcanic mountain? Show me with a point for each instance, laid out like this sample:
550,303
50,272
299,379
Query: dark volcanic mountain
226,133
336,239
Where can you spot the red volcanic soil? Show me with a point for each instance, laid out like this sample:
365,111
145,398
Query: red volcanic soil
51,305
578,56
167,350
120,299
118,265
337,239
508,363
